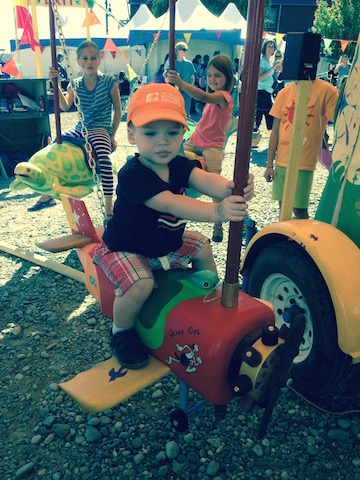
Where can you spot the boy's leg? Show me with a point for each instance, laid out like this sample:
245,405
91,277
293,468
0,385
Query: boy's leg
125,343
127,307
204,260
134,278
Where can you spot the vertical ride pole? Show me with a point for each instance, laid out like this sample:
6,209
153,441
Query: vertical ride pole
250,75
55,80
172,34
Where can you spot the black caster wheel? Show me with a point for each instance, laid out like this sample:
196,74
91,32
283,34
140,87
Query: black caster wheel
179,420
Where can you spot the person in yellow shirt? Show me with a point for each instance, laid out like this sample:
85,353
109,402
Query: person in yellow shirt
321,107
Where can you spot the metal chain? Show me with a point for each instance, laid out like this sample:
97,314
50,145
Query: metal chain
84,130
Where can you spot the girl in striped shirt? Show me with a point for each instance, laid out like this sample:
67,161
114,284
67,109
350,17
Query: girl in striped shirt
98,94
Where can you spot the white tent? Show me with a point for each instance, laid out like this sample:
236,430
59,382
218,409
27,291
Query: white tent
198,27
231,14
192,18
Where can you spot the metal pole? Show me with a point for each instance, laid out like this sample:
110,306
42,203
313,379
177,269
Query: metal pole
255,26
55,80
172,34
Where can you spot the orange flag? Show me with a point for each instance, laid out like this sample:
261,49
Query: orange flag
110,46
344,44
11,69
93,20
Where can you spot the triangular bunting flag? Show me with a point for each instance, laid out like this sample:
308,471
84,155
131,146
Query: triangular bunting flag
327,42
187,37
22,12
93,20
218,35
110,46
28,38
344,44
156,38
11,69
91,3
279,37
132,74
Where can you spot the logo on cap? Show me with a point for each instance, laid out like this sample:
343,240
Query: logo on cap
162,97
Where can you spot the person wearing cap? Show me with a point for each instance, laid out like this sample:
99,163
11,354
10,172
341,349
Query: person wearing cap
147,229
185,69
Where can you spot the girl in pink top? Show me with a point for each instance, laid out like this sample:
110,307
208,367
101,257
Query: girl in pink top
208,139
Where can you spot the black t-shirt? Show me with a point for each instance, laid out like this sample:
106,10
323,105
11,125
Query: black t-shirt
134,227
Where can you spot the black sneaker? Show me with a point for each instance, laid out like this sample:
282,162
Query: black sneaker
129,349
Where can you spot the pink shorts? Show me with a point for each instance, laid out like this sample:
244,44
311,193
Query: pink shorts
125,268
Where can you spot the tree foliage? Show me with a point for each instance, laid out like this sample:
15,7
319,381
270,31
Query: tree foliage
340,21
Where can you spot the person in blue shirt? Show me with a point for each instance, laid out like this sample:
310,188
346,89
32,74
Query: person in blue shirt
342,69
265,84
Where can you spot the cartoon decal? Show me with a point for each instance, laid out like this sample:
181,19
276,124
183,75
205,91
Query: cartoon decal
114,375
187,357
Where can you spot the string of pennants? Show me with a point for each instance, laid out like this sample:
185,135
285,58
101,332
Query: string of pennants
327,41
24,21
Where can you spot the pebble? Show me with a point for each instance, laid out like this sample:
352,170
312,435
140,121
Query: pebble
92,434
172,449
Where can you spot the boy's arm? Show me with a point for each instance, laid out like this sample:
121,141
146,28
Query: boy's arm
216,186
273,145
231,208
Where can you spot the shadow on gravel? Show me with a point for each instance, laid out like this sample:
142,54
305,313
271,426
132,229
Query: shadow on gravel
258,158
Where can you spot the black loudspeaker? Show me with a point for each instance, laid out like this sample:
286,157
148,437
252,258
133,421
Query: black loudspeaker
302,56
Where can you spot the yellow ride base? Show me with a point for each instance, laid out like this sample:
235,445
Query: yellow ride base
107,383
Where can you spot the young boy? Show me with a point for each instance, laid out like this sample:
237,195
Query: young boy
147,230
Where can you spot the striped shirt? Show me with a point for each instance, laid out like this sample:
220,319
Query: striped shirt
96,105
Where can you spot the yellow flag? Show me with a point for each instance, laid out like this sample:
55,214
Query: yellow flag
279,37
21,3
187,37
132,74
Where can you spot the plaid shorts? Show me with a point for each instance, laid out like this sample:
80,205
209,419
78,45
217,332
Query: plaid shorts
125,268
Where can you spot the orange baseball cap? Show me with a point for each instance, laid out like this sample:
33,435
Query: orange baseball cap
154,102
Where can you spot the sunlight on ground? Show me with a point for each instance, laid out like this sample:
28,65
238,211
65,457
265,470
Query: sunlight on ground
88,301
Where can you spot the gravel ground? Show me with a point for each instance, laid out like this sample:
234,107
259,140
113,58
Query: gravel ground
51,329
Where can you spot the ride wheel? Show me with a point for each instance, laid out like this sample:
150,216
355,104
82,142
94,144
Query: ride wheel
285,275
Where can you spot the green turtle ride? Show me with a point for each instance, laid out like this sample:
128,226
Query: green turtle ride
55,169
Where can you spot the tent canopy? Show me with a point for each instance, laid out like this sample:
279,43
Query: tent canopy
191,18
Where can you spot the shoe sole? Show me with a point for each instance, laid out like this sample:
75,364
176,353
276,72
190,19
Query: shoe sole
134,366
131,366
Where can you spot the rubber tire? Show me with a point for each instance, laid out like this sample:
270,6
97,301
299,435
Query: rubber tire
326,366
179,420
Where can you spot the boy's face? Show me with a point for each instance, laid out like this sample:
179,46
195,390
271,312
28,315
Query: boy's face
89,60
158,142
